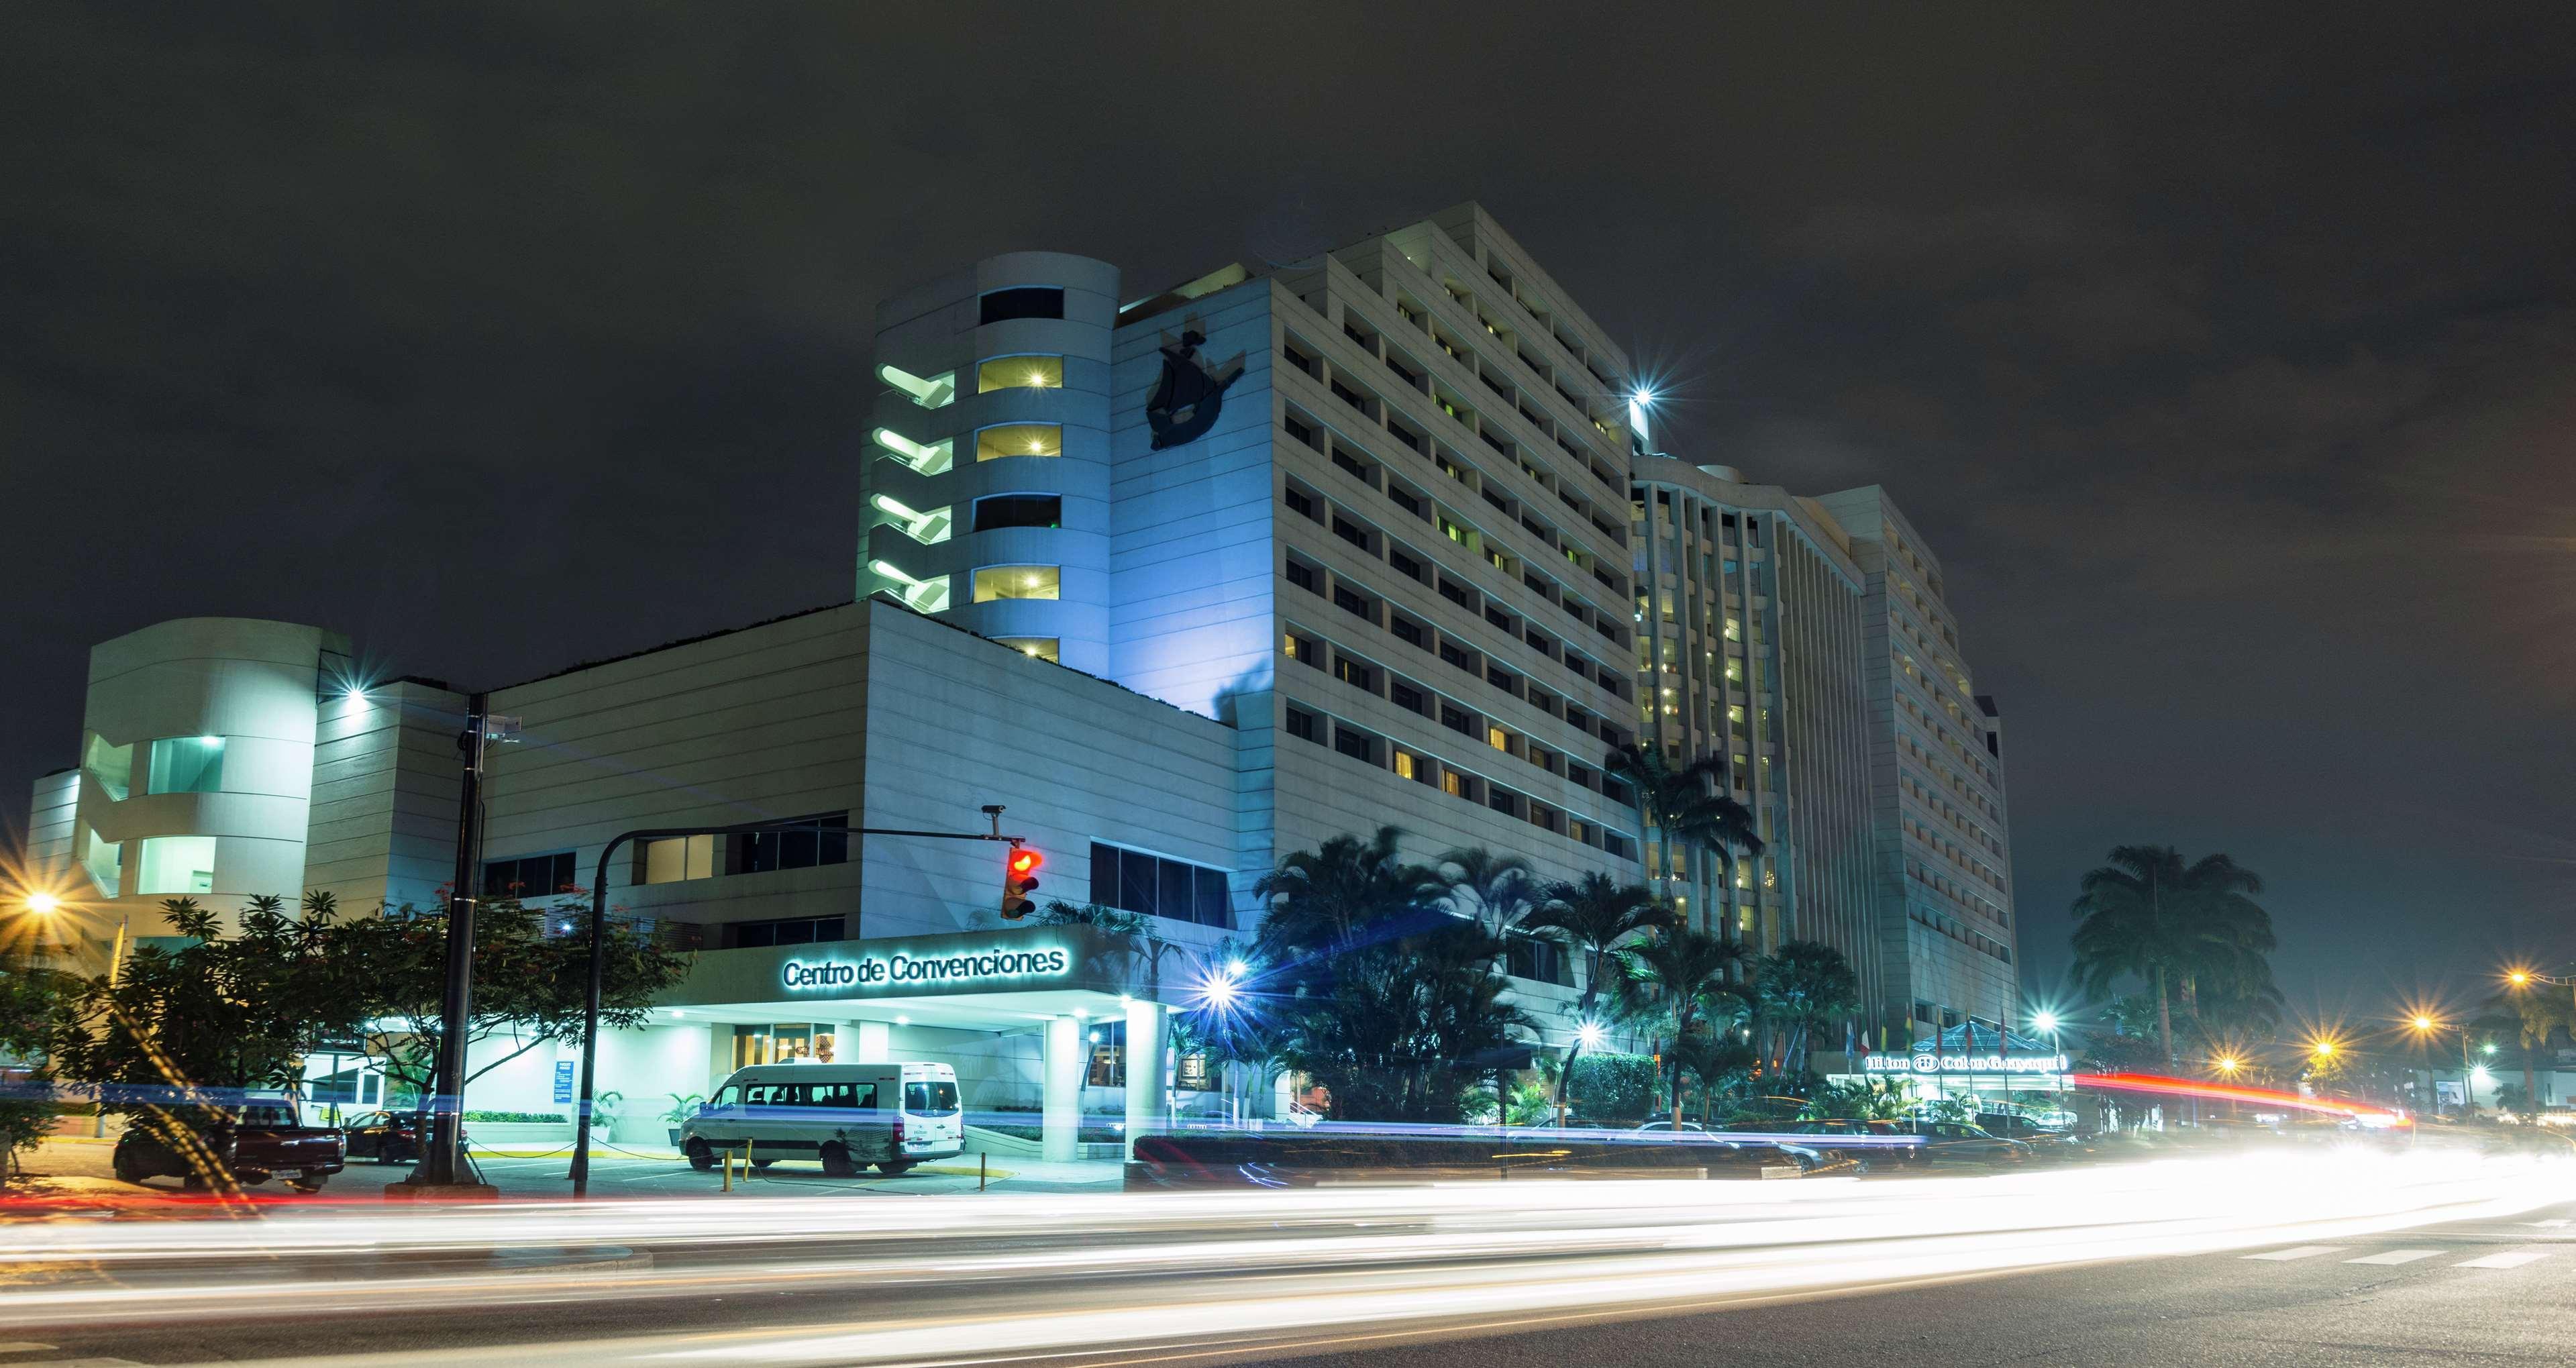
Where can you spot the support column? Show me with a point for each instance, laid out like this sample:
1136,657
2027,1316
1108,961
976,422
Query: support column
873,1044
1147,1099
1060,1084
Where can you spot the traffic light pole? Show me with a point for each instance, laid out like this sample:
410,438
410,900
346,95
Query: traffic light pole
599,935
442,1160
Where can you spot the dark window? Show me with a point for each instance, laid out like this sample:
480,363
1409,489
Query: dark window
1347,462
1454,656
1352,672
789,846
1402,433
1137,882
1030,301
1404,565
1501,678
1305,649
1353,744
1405,696
1404,501
1300,431
1300,504
1541,960
1305,726
1304,577
1349,396
791,931
1503,801
531,876
1357,604
1019,510
1497,617
1455,720
1408,630
1454,594
1350,532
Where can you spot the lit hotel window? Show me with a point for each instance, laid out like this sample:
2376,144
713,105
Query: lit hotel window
1020,372
187,764
1019,439
1015,582
1038,648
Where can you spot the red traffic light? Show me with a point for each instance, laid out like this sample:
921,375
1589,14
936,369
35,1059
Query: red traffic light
1019,880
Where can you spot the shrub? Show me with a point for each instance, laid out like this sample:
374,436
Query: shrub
1611,1088
499,1118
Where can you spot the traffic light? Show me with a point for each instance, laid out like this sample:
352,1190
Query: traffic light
1019,880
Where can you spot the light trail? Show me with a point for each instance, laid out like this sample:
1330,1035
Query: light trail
942,1279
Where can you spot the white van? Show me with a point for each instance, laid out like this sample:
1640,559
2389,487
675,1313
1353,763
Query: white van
846,1115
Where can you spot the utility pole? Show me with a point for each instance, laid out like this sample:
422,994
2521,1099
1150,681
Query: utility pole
443,1161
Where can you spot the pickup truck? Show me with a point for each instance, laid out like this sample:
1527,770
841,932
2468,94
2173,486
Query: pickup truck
263,1138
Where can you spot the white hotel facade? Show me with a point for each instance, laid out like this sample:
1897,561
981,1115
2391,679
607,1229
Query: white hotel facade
1424,567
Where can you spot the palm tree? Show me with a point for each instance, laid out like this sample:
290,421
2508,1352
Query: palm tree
2150,915
2536,1016
1342,895
1801,986
1684,973
1712,1057
1594,917
1496,889
1688,805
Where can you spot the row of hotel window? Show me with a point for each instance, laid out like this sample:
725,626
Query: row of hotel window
1379,753
1463,657
1413,698
1425,507
173,764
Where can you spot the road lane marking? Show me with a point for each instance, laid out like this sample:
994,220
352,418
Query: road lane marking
2512,1258
2546,1225
2396,1256
2302,1252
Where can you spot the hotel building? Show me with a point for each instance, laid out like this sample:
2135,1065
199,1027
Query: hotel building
1185,581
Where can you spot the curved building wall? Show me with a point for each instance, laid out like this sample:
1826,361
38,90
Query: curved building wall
197,763
1014,441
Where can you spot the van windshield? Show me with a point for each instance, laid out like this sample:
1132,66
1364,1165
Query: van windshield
930,1099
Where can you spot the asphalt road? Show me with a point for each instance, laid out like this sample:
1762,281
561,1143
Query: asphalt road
2205,1264
2482,1292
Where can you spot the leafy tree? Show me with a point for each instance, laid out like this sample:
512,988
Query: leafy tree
1383,995
1687,805
1682,974
2192,927
1799,987
29,997
387,979
1610,1088
181,1032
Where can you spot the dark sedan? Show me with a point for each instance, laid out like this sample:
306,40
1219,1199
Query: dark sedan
385,1137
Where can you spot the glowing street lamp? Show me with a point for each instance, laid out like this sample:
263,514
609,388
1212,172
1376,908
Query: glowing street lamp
2227,1064
1590,1035
43,904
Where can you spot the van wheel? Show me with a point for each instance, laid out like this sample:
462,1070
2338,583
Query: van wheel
762,1163
896,1168
701,1157
836,1162
126,1169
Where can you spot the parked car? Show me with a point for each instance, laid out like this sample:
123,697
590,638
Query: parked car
385,1137
2012,1127
1668,1126
263,1138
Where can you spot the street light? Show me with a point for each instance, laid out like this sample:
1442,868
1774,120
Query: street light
43,904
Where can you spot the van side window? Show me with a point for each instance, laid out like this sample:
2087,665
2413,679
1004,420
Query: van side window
726,1096
765,1094
853,1095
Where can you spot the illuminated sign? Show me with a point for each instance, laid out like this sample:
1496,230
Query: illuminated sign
1930,1063
878,971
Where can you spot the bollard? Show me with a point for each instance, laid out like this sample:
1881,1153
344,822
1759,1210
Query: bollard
728,1170
982,1161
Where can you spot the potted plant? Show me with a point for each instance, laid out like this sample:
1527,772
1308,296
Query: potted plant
683,1106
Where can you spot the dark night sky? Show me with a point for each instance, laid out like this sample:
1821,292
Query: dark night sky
2229,361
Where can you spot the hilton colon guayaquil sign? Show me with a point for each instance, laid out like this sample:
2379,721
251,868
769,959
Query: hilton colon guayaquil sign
1927,1062
878,971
